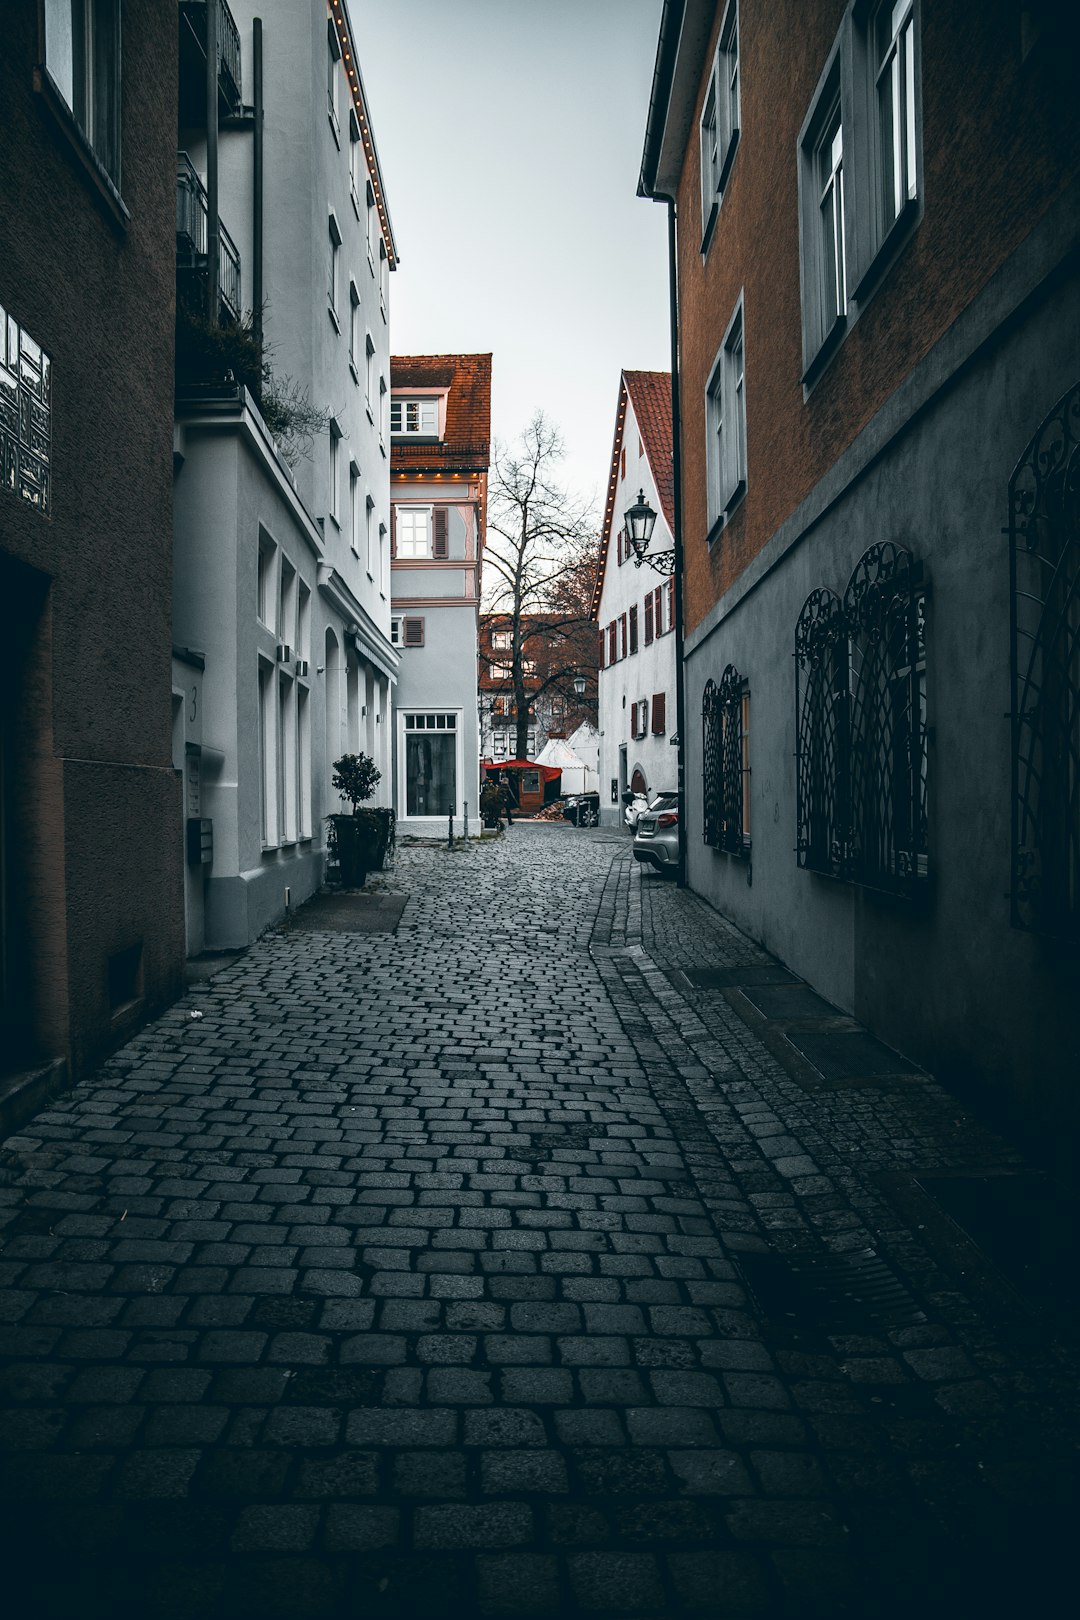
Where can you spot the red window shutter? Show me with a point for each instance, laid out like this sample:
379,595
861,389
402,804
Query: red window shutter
413,632
618,547
439,545
612,650
659,719
670,591
648,618
393,531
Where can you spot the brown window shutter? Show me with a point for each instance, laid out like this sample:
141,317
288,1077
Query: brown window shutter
413,632
439,545
648,618
393,531
659,719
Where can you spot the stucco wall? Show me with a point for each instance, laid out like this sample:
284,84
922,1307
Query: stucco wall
951,984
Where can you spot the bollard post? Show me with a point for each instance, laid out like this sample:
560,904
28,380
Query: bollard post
450,830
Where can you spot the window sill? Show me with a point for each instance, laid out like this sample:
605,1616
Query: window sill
355,201
355,374
335,520
710,227
370,262
334,322
335,127
370,412
884,255
826,349
84,153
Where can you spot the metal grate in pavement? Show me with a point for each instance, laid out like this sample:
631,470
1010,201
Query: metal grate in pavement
705,978
830,1293
788,1001
849,1055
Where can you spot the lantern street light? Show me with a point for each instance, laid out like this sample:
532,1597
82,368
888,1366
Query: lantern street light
579,686
640,520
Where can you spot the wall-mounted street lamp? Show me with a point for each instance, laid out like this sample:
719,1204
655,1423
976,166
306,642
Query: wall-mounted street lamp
579,686
640,520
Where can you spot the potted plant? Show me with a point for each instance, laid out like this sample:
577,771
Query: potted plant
362,838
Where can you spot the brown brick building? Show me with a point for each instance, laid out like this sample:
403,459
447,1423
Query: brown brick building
91,873
878,226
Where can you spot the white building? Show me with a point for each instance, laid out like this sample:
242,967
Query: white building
282,573
634,606
440,431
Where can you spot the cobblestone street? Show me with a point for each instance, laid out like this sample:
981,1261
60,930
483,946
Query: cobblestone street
441,1272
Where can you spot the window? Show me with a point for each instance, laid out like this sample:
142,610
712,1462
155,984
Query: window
861,740
303,622
383,414
633,629
354,508
370,560
500,640
82,56
414,416
720,122
356,162
267,581
384,561
612,645
369,374
303,760
354,328
413,525
334,250
268,754
893,31
725,414
429,763
373,232
287,611
659,713
669,601
648,618
639,719
334,475
384,278
624,636
332,76
859,160
395,631
725,713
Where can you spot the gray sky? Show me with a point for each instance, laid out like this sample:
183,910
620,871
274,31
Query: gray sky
510,136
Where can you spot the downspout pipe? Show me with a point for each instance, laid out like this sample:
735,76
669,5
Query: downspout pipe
257,181
213,228
676,473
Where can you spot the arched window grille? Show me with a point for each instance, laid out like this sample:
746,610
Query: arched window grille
821,739
725,718
1044,546
862,755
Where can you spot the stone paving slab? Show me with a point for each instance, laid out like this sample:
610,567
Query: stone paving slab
405,1280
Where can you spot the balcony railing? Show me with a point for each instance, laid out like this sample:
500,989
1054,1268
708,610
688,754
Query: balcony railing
191,230
193,12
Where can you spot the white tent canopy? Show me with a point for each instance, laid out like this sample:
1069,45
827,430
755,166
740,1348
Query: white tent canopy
576,775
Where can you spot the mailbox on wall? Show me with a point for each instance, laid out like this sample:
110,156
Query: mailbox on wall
200,841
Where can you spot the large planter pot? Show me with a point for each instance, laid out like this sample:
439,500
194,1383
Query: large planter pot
377,835
351,851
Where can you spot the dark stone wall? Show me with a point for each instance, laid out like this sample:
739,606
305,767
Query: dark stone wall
94,827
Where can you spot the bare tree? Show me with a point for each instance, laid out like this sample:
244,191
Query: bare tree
541,557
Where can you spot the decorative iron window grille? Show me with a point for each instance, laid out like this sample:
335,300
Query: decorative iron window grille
1044,557
861,733
725,764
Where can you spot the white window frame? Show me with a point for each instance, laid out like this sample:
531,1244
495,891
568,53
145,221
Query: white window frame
369,537
369,374
354,508
448,710
373,231
357,165
333,56
414,549
417,416
384,561
725,424
719,127
354,328
384,279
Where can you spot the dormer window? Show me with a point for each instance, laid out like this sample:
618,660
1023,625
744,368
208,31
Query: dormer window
415,416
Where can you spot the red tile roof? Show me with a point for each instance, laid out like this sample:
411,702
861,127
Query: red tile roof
650,394
466,444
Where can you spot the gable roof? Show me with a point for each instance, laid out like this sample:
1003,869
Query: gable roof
466,443
649,392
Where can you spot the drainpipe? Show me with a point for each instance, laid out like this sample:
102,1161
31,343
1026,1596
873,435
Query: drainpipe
213,232
676,472
257,178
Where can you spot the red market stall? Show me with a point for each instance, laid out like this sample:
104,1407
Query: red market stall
529,782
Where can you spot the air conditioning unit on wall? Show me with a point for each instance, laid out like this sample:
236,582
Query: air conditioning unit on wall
284,653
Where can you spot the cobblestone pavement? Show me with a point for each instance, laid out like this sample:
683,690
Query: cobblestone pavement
410,1278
